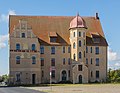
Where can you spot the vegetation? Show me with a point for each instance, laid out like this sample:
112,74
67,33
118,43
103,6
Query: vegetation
4,78
113,76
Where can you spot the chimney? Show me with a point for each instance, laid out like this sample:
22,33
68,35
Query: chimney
96,16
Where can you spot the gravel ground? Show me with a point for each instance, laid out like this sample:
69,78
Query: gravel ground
85,88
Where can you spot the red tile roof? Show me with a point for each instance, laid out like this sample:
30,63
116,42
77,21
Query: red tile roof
43,25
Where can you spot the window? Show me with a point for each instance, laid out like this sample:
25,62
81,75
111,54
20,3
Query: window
96,39
23,35
97,61
53,73
84,53
53,39
79,43
91,50
42,61
17,46
74,57
97,74
74,34
17,59
96,50
33,47
91,74
68,61
63,49
68,73
83,34
52,50
80,56
79,34
33,60
63,61
74,46
84,42
91,61
42,49
86,60
18,77
86,49
69,49
79,67
52,61
42,73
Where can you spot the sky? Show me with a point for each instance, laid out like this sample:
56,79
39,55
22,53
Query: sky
108,10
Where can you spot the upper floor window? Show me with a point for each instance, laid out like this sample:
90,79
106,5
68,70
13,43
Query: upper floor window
42,61
86,60
17,59
97,61
86,49
83,34
17,46
79,43
91,60
69,49
63,61
68,61
80,55
79,34
97,74
18,77
74,34
84,53
96,50
33,60
42,49
23,35
74,56
79,67
74,46
42,73
84,42
91,50
52,61
96,39
63,49
33,47
52,50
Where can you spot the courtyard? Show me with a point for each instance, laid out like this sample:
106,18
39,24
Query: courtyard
79,88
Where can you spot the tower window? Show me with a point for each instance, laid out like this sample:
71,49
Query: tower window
63,61
69,49
79,43
68,61
86,60
74,56
17,46
18,60
63,49
84,34
79,34
74,46
23,35
74,34
80,55
79,67
33,60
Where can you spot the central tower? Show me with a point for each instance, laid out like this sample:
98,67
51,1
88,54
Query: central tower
78,49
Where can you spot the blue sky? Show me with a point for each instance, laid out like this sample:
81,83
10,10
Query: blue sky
109,14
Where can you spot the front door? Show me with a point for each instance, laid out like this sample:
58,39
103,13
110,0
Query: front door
80,79
64,75
33,78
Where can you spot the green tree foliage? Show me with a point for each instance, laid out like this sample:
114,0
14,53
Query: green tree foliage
113,76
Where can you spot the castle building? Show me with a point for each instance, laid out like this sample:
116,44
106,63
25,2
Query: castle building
46,49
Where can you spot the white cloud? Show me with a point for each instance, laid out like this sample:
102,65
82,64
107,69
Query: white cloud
3,39
112,56
5,17
117,64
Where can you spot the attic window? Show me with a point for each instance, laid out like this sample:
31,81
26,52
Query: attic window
53,37
96,37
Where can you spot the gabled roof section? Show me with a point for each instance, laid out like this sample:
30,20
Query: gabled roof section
42,26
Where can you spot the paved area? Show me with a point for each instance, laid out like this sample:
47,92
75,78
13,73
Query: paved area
17,90
94,88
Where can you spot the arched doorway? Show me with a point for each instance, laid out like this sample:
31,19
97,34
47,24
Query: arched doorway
64,75
80,79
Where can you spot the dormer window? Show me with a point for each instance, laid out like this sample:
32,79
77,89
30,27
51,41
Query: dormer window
95,37
53,37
